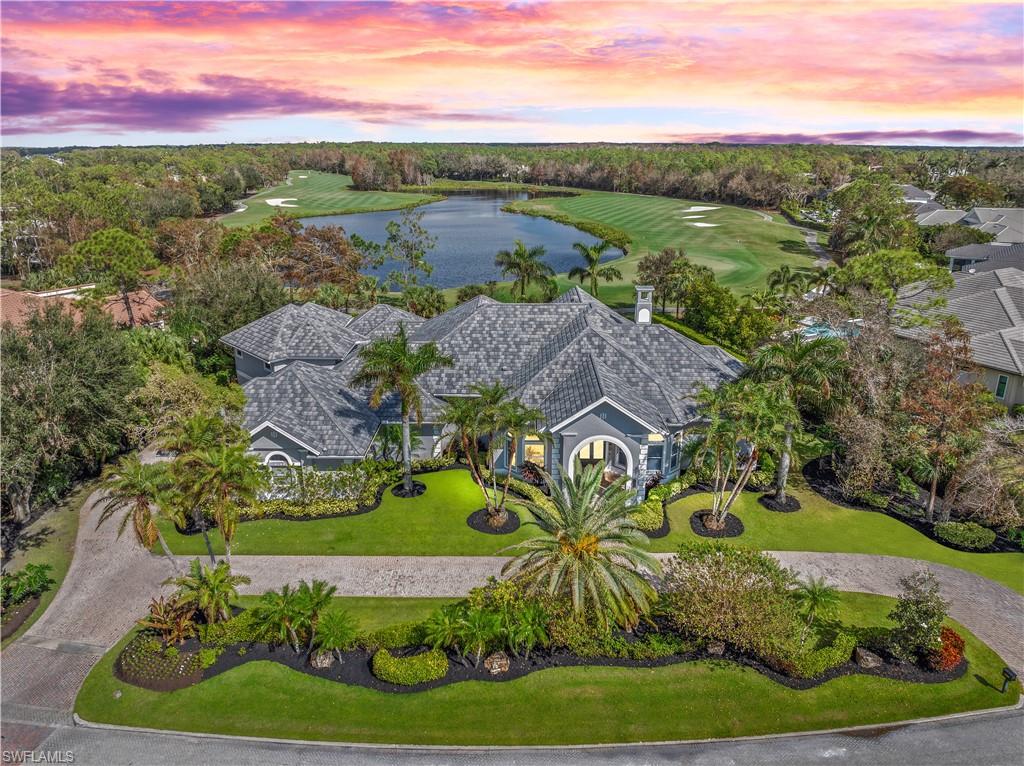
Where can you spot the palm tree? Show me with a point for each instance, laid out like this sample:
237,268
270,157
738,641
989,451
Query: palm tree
224,478
529,628
592,271
314,598
135,488
764,300
478,630
494,415
209,590
525,264
391,365
277,615
787,282
186,433
740,422
815,598
812,372
337,631
589,549
443,629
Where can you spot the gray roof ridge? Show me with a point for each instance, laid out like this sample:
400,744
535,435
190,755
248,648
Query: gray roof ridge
1005,339
318,370
462,312
1003,294
552,341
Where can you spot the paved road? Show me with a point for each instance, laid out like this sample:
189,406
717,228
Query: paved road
110,583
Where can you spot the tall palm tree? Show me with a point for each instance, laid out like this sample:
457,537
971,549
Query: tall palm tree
391,365
592,271
589,549
209,590
224,478
525,265
764,300
787,282
136,488
812,372
815,598
493,416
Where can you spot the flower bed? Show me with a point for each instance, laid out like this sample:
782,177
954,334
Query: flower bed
146,662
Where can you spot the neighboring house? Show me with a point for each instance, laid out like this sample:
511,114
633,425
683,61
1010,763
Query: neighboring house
611,389
979,258
1005,224
912,195
17,305
990,306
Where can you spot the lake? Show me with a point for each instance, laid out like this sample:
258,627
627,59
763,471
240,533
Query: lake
470,228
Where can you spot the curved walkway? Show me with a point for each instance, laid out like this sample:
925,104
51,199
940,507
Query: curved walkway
111,581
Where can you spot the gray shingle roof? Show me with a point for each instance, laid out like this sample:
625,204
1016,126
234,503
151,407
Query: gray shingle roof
297,331
312,404
382,320
990,306
989,257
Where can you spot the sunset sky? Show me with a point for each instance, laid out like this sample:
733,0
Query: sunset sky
898,72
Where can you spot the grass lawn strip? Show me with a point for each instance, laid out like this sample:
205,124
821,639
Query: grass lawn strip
50,539
560,706
312,193
431,525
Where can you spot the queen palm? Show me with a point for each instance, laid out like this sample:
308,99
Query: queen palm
815,598
223,479
209,590
390,365
588,549
525,265
592,271
136,488
811,372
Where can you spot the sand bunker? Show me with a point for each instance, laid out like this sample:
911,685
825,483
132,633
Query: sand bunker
698,208
303,176
277,202
705,225
688,217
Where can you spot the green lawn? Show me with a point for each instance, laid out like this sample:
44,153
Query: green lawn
555,707
50,539
823,526
373,612
433,524
318,193
741,247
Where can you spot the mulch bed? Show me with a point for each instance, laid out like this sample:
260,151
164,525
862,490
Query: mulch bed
792,505
478,521
418,488
165,684
821,477
733,526
15,616
356,667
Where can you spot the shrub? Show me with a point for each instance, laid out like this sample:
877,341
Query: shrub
649,515
817,661
524,489
395,636
653,480
292,509
243,628
430,665
965,534
319,492
18,587
950,652
208,656
144,661
906,485
875,500
652,646
718,591
428,464
531,472
918,614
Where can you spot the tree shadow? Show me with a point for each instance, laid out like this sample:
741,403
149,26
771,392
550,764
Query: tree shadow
36,539
796,248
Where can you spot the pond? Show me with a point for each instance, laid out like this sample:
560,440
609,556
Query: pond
470,228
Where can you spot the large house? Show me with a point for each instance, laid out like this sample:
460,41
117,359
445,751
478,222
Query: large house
611,389
989,257
990,306
1005,224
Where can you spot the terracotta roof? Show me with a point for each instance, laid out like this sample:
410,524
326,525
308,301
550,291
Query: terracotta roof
16,306
145,308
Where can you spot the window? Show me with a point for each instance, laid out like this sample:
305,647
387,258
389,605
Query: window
655,451
534,450
592,451
677,448
1001,385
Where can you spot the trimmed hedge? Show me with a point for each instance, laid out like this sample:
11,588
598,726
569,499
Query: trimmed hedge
431,665
240,629
292,509
392,637
428,464
817,661
649,515
966,534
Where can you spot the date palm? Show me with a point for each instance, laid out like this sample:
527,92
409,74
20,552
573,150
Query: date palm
815,598
209,590
136,488
812,373
528,628
391,365
592,271
336,631
223,478
278,615
525,265
589,549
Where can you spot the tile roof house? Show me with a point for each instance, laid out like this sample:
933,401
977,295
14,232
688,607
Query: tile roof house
17,305
990,306
610,388
988,257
